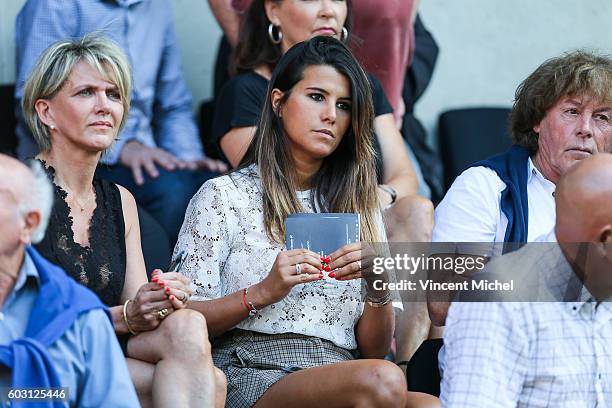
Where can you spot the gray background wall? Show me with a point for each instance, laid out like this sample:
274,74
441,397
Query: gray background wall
486,46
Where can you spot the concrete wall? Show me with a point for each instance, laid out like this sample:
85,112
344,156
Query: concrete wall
486,46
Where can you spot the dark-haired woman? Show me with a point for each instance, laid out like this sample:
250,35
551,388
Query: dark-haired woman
283,331
269,29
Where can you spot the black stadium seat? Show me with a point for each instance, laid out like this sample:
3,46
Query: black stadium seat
470,135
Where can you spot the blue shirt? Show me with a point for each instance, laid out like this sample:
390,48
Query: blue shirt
87,357
160,114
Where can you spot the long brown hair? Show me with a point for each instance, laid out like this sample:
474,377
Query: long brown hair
346,181
254,48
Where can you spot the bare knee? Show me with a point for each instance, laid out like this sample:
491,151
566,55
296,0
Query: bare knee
382,383
220,387
410,219
184,334
220,379
421,207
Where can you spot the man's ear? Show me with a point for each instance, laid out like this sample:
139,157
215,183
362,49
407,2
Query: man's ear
32,221
275,99
536,127
272,11
43,109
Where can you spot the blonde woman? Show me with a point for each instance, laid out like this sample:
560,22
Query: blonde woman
75,102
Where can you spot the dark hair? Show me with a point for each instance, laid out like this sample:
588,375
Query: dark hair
346,181
254,47
572,74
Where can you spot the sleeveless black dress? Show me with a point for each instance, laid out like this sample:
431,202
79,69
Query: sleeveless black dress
101,266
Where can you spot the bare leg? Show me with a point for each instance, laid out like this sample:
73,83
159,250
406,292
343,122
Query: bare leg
180,350
436,332
358,383
412,327
410,220
220,388
142,377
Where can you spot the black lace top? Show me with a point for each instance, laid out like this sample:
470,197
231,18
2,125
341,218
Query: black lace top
101,266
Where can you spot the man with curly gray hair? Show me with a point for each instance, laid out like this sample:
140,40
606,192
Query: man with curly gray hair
562,114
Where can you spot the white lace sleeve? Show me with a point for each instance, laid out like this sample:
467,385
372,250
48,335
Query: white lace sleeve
205,238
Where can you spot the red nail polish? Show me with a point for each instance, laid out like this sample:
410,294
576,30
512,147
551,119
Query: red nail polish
327,268
161,283
167,290
332,274
328,259
323,259
172,298
154,279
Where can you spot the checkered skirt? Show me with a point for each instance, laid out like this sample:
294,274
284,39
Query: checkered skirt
254,361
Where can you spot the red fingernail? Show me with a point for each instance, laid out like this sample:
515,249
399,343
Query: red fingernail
332,274
328,259
172,298
161,283
327,268
323,259
167,290
154,279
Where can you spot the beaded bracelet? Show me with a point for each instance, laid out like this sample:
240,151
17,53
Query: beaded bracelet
125,318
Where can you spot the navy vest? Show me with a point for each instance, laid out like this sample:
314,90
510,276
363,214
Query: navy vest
512,168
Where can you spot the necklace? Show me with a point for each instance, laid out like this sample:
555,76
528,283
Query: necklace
81,204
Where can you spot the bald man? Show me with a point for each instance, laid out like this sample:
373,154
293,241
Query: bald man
556,352
54,333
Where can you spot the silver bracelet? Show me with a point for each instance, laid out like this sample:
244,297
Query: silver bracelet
378,301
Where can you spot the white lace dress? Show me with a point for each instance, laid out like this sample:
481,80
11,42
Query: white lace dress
227,249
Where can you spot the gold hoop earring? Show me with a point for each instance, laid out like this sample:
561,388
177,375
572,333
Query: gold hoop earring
271,34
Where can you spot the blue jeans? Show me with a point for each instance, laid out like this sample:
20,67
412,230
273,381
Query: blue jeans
165,197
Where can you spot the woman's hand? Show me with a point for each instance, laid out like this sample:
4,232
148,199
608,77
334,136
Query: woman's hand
354,261
348,262
290,268
175,286
145,311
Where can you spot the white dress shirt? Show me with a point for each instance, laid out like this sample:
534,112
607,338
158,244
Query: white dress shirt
471,211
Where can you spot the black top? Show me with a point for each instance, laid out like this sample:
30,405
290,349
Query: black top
101,266
241,101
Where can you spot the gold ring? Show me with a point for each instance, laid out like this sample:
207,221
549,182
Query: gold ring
162,313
